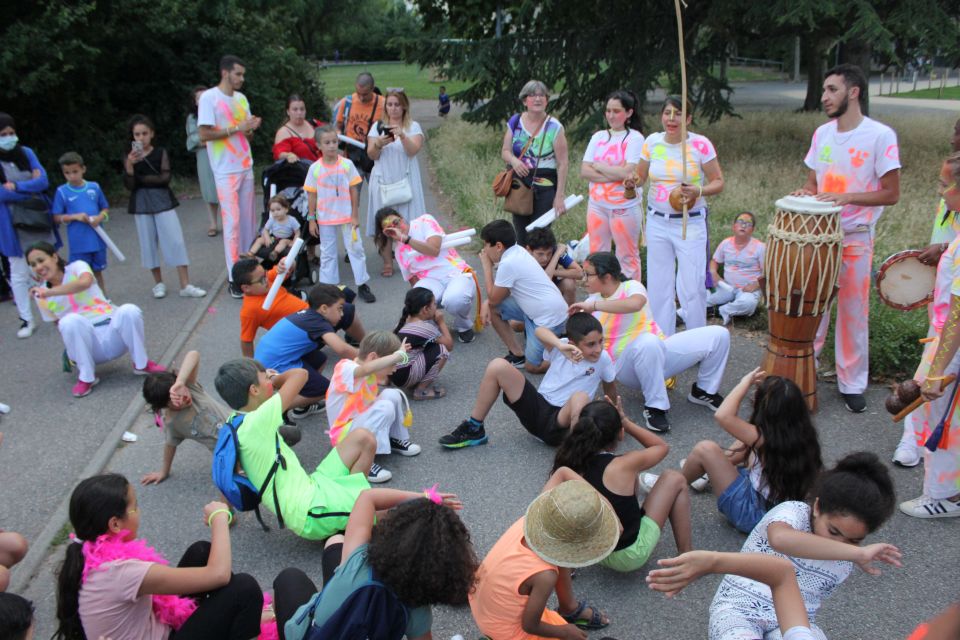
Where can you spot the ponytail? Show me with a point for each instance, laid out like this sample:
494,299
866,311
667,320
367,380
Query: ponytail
414,302
68,595
596,429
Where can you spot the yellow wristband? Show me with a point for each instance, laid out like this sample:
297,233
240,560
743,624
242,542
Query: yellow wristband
934,378
106,215
226,511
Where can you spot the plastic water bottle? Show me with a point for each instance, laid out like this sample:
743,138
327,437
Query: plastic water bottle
457,637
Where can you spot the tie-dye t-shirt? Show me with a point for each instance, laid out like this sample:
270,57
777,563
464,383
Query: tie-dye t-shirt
541,153
620,329
666,167
332,186
853,162
616,148
348,397
740,266
947,283
216,109
413,263
945,225
90,303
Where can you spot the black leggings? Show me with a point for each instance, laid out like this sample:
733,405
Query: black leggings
292,588
231,612
542,202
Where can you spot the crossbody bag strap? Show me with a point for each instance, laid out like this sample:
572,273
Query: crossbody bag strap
278,462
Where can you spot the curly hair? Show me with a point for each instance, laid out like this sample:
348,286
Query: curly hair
423,552
858,485
596,429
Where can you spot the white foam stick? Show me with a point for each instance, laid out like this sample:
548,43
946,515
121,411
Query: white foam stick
350,140
110,244
456,242
278,281
273,190
569,202
456,235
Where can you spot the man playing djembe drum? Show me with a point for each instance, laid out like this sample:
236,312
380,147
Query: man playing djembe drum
854,162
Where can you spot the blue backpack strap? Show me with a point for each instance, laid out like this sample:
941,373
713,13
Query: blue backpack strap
234,423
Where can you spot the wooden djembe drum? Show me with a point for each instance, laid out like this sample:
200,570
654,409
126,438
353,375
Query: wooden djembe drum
802,264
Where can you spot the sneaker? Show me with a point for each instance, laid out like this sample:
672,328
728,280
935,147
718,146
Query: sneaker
159,290
152,367
907,455
378,474
700,484
681,317
517,361
710,400
235,291
656,419
365,294
129,436
404,447
191,291
82,388
647,480
4,408
854,402
26,329
466,337
290,434
464,435
927,507
302,412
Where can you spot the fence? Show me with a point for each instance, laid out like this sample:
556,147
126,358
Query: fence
901,82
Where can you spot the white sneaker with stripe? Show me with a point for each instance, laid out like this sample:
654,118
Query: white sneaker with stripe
927,507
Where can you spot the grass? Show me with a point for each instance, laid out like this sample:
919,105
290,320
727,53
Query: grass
419,84
949,93
750,74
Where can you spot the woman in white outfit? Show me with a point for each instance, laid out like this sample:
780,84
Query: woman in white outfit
661,164
393,144
93,329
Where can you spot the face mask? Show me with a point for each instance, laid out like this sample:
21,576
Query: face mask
7,143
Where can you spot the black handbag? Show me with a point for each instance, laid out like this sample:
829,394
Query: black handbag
32,214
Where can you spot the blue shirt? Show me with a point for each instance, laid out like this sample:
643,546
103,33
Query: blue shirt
285,344
89,200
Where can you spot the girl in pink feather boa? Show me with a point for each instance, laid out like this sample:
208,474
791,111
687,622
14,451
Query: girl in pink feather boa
113,585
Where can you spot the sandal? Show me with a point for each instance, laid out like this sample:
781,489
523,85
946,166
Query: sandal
434,393
438,388
387,271
594,622
212,233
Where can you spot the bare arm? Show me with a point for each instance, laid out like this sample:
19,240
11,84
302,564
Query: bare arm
887,194
541,586
430,247
446,338
339,346
246,348
312,214
715,270
411,144
726,414
589,172
162,579
788,541
288,385
82,283
630,304
506,152
156,477
380,363
355,205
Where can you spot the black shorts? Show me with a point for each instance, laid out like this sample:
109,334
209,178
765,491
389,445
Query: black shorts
537,416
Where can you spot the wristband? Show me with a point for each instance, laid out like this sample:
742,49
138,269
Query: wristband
226,511
934,378
404,358
106,215
311,218
701,191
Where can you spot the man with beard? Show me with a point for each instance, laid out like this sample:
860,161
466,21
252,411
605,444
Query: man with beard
854,162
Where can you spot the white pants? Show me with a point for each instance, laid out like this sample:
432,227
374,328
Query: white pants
235,191
677,268
732,301
456,295
21,279
941,467
329,265
90,345
648,361
384,419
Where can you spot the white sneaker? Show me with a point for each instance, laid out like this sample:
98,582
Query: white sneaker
700,484
191,291
927,507
26,329
647,480
129,436
378,474
907,455
4,408
159,290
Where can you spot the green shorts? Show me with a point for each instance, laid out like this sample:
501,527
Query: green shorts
637,554
337,492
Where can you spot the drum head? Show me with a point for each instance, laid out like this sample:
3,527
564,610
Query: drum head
904,282
806,204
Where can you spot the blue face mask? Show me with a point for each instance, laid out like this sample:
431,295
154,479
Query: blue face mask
7,143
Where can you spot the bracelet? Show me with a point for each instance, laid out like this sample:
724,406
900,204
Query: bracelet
311,218
106,215
226,511
433,495
404,357
934,378
701,190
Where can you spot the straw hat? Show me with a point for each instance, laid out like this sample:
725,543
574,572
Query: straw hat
571,525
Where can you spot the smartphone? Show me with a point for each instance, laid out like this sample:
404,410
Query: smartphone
137,146
387,130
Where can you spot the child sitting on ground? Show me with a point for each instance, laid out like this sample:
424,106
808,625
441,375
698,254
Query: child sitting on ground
254,281
578,364
424,329
298,340
569,525
16,617
278,234
83,207
741,255
589,452
355,402
316,505
561,268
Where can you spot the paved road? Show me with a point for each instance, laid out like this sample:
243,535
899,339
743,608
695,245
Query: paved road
51,439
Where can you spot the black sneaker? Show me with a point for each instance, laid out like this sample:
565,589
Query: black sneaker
309,410
517,361
365,294
464,435
854,402
710,400
235,291
466,337
656,419
290,434
404,447
346,258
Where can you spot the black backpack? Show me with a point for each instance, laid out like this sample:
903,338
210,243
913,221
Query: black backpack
372,612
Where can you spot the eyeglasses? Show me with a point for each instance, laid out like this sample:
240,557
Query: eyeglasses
536,95
745,223
587,275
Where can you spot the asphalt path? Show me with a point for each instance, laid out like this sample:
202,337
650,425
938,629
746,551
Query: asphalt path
52,438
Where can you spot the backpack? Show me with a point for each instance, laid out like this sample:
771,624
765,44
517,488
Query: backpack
372,612
236,487
359,156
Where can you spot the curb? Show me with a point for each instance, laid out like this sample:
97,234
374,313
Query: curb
25,571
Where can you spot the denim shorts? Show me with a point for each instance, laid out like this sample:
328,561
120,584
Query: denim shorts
533,351
741,504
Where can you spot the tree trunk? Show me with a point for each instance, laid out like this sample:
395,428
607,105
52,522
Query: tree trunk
813,51
860,53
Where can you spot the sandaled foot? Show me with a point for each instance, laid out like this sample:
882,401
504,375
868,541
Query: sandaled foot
586,616
387,271
432,393
212,233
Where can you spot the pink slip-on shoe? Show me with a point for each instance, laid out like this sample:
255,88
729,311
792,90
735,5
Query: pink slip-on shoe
152,367
82,388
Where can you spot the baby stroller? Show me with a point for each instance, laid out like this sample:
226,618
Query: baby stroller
286,179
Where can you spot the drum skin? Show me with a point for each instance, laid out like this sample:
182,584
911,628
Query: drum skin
802,264
905,283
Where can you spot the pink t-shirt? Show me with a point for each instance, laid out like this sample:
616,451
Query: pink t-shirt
853,162
110,606
740,266
616,148
413,263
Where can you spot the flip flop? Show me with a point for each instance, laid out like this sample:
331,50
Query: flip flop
212,233
431,394
594,622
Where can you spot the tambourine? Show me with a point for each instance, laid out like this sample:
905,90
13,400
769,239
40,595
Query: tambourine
905,283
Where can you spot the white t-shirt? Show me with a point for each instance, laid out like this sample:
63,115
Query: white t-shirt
564,378
538,298
285,229
740,266
217,109
947,283
617,148
853,162
666,167
89,303
817,579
